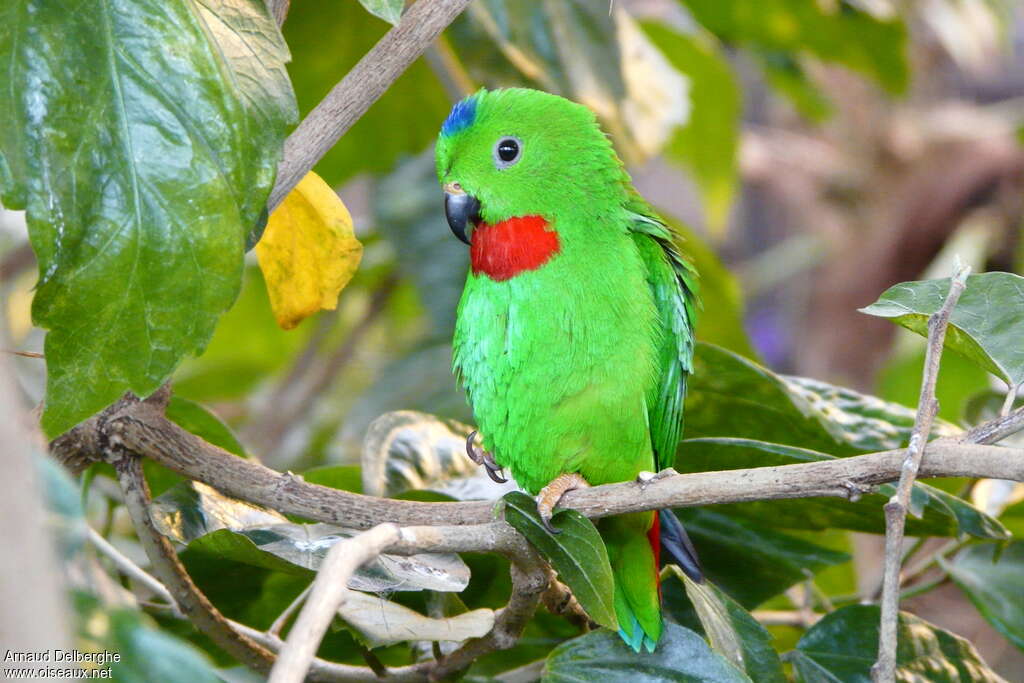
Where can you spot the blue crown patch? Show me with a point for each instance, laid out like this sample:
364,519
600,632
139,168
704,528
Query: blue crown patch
461,116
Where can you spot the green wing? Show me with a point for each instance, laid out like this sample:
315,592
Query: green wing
673,282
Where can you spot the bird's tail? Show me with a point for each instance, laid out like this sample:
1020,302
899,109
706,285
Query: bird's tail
634,543
633,548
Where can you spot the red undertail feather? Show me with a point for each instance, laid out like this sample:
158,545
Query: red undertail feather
654,538
506,249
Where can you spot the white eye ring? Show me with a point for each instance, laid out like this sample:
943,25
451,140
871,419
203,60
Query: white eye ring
507,151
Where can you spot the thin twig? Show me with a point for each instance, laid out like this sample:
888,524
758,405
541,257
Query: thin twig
1011,396
360,88
23,354
799,618
278,10
884,669
125,565
330,588
996,430
293,606
168,569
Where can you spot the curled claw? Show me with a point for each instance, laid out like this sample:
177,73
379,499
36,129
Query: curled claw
482,457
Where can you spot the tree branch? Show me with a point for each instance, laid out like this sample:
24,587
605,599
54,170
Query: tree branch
998,429
360,88
168,569
144,431
330,588
884,669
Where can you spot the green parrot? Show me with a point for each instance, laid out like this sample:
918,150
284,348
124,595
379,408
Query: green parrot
574,335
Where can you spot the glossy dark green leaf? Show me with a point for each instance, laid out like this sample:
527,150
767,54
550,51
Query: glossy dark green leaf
959,378
196,419
731,396
682,656
842,647
224,544
327,38
145,137
944,514
578,554
412,451
732,549
987,405
706,144
191,514
986,325
388,10
837,33
993,579
733,632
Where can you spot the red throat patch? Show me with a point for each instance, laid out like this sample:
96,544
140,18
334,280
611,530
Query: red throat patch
506,249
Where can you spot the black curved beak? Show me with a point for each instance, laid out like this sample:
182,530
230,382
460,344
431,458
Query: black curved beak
461,210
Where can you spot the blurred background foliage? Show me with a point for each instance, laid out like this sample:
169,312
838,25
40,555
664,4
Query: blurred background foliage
812,152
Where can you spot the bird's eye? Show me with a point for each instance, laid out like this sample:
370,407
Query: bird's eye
507,152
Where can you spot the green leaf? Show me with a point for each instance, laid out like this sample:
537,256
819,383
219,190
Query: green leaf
144,138
344,477
731,396
787,76
578,554
944,514
836,33
149,654
388,10
682,656
844,644
706,144
386,132
144,653
728,626
586,51
733,548
224,544
195,514
959,378
993,579
986,325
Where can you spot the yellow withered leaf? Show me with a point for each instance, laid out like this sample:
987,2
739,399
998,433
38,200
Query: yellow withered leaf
308,252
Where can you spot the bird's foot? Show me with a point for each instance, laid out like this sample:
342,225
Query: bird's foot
647,478
549,496
482,457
